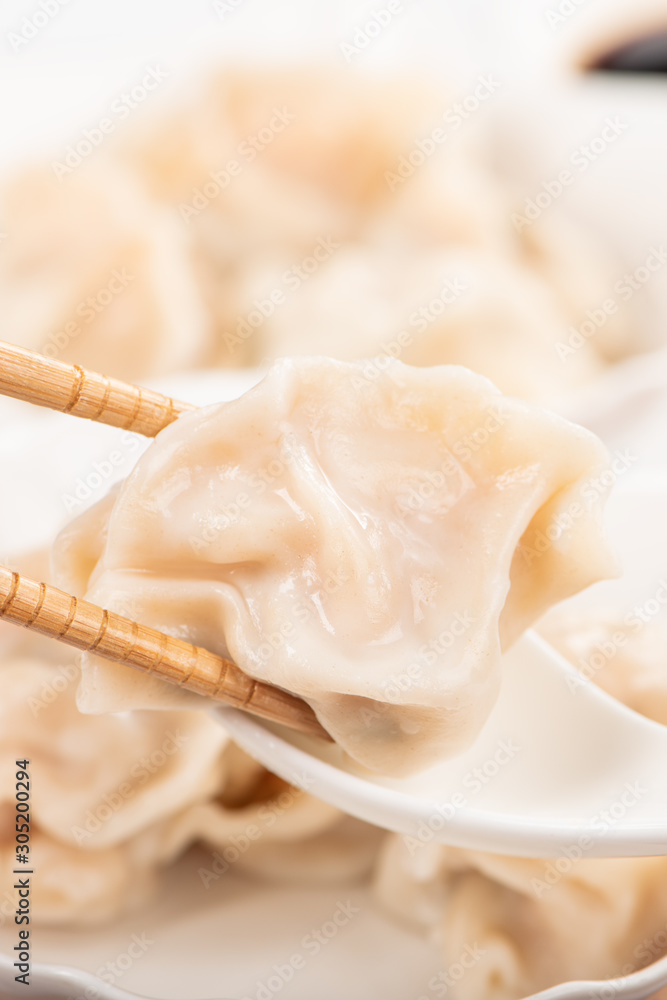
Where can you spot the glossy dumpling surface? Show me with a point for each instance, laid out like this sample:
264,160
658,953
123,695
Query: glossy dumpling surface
368,535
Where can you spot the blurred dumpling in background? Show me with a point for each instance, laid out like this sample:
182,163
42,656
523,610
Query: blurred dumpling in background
328,215
626,655
302,211
432,307
330,130
509,927
272,213
615,633
262,169
580,273
116,799
94,273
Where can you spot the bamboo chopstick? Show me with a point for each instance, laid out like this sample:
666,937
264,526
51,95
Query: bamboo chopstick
86,626
70,389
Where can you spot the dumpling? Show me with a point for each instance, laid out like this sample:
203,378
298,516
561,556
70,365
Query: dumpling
97,275
368,535
528,917
431,307
623,654
115,799
536,923
330,130
509,927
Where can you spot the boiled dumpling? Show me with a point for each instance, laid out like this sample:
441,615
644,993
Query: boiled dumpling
97,275
368,535
516,925
116,799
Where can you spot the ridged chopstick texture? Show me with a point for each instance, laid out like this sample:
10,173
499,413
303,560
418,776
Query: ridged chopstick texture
71,389
78,623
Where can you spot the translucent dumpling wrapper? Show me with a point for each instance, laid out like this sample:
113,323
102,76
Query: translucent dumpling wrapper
369,536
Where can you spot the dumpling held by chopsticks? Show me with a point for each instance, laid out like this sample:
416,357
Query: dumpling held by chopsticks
369,536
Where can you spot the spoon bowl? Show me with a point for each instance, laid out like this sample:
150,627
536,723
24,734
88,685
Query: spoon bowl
560,769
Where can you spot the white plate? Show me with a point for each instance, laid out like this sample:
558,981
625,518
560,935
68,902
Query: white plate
224,940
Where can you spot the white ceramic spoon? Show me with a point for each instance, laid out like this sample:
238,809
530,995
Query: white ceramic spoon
561,769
